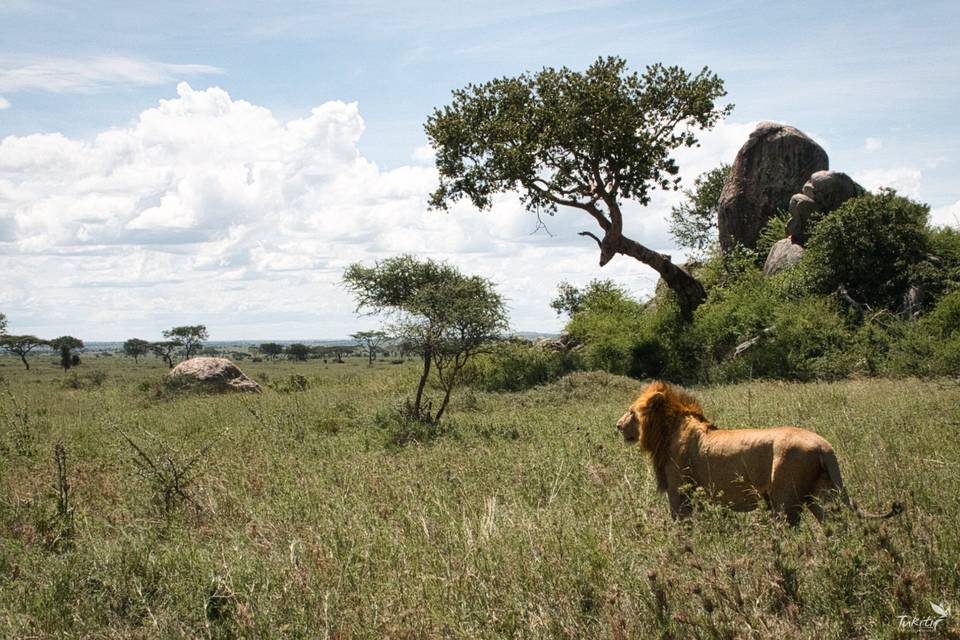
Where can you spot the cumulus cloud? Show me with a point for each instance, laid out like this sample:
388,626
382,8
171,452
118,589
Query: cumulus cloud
4,103
63,75
906,180
872,144
210,209
946,216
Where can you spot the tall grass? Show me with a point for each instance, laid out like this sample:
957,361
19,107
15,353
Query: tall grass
527,517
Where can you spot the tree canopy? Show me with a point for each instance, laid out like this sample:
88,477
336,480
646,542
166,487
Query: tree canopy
370,342
298,351
434,310
587,141
135,347
21,345
271,349
65,345
190,337
165,350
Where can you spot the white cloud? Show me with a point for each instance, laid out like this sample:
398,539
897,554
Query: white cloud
906,180
424,154
62,75
872,144
4,103
210,209
947,216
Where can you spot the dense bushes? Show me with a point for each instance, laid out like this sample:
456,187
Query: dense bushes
875,246
876,293
518,364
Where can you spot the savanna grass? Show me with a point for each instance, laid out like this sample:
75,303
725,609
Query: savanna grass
526,517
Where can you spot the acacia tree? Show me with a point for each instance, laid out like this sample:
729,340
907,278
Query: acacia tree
135,347
370,342
693,222
587,140
438,312
271,349
190,337
298,351
165,350
21,346
65,345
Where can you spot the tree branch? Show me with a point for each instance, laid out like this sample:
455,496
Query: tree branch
590,235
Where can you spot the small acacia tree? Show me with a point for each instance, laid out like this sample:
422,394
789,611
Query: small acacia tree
21,346
271,349
370,342
135,347
190,337
65,345
165,350
298,351
588,141
438,312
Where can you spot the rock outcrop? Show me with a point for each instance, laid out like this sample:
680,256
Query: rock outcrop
775,163
783,255
216,374
822,193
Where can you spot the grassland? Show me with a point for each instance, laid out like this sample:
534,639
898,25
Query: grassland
301,517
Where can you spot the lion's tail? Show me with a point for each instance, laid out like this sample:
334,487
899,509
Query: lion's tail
828,460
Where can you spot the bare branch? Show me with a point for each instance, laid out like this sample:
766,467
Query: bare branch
590,235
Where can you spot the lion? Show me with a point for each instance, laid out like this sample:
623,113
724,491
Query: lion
785,467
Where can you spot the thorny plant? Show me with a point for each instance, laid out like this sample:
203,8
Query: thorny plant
167,471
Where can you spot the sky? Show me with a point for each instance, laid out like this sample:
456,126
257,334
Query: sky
221,163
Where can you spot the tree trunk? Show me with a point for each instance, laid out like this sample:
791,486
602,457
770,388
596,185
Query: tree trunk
23,357
427,358
690,293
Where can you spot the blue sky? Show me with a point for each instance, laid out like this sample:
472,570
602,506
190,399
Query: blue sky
296,144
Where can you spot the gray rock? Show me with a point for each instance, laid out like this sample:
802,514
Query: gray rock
772,165
216,373
830,189
803,210
784,254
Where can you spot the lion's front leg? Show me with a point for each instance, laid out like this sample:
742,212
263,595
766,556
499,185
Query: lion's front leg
680,507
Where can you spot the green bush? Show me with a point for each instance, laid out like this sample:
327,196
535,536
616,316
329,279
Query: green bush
516,365
607,322
872,245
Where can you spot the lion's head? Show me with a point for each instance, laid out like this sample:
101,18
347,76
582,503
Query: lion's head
656,418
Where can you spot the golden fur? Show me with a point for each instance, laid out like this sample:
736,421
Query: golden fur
785,467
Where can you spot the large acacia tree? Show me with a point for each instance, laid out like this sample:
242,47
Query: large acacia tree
589,141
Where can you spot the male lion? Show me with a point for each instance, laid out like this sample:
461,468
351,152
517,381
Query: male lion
786,467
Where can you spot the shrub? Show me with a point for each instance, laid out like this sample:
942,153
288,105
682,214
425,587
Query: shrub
871,245
607,323
795,337
516,365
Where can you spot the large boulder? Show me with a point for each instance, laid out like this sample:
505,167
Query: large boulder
822,193
831,189
784,254
774,163
216,374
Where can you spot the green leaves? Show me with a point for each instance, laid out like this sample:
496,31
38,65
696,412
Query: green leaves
569,138
693,222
